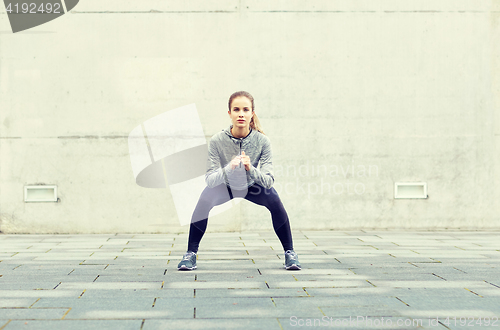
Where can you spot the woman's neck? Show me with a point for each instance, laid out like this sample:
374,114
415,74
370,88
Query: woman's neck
240,132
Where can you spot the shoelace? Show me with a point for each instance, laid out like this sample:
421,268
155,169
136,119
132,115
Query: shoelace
291,255
187,256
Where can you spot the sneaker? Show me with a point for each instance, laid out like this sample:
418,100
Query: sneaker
188,261
291,260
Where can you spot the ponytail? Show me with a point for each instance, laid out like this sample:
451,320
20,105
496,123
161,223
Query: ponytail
255,123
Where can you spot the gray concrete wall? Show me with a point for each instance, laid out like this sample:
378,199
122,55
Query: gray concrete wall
407,89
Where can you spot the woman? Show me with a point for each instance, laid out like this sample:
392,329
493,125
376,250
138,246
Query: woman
233,156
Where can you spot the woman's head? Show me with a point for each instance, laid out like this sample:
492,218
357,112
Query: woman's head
241,106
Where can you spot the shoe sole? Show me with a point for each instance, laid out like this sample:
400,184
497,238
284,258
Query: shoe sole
186,268
293,267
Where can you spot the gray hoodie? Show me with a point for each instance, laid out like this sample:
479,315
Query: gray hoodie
223,147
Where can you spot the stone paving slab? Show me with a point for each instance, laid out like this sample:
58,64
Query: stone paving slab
130,281
75,324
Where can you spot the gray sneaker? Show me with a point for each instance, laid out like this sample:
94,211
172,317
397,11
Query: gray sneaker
291,260
188,261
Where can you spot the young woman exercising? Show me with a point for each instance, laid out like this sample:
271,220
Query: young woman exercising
242,143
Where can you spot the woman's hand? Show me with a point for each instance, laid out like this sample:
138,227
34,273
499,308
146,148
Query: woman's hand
235,162
246,161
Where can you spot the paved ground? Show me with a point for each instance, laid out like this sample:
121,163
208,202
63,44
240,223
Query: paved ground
349,280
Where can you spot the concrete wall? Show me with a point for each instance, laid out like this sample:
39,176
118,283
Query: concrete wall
407,89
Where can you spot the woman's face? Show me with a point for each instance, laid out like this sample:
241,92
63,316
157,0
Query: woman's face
241,112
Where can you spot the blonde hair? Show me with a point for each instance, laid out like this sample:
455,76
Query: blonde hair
255,122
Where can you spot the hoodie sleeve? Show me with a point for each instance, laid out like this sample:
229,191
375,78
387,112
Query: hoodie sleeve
215,174
264,176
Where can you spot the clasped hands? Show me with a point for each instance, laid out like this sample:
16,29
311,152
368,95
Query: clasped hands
241,159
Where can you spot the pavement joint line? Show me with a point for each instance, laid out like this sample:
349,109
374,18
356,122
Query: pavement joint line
14,254
477,294
34,302
352,271
277,319
154,302
324,252
142,324
359,239
443,325
304,288
415,252
62,318
16,267
3,326
253,261
194,313
95,279
373,247
392,255
106,266
321,311
273,301
402,301
439,276
337,260
371,283
82,293
295,277
459,248
259,271
247,252
395,243
195,277
165,272
493,284
71,271
91,254
460,270
194,293
162,284
57,286
267,284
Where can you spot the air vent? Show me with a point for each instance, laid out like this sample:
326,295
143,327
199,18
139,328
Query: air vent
40,193
410,190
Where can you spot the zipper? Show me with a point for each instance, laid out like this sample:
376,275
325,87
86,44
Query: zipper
240,150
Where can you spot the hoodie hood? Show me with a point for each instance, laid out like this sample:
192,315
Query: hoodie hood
227,130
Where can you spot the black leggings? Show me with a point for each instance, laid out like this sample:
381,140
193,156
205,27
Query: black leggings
257,194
